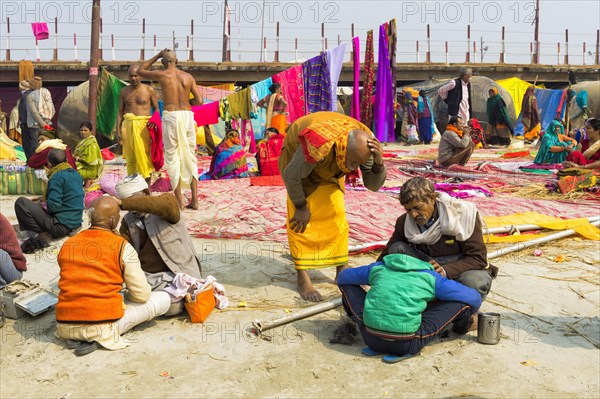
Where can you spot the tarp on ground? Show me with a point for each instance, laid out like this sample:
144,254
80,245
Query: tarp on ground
549,102
516,88
581,225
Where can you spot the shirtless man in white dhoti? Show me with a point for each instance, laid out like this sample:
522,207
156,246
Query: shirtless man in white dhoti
178,126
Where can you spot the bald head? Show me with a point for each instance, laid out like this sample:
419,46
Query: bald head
134,77
169,56
105,212
358,149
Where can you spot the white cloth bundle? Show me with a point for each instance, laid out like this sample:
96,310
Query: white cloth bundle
132,184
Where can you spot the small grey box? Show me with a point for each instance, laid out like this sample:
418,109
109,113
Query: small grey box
33,302
10,309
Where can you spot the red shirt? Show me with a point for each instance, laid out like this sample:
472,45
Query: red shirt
10,244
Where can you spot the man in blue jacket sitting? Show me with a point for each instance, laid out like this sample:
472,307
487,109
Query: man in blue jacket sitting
408,304
61,214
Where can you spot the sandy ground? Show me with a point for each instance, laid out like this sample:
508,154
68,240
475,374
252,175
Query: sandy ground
539,355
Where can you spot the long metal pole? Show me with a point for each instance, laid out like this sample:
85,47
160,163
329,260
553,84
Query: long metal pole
94,54
493,230
522,245
536,45
467,175
224,48
262,31
260,327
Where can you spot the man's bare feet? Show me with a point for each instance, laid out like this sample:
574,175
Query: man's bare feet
306,289
179,197
474,322
338,270
192,206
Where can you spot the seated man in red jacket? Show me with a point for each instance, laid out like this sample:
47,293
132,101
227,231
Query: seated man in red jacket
47,141
12,260
443,231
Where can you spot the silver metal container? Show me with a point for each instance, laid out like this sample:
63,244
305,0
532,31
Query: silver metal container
488,328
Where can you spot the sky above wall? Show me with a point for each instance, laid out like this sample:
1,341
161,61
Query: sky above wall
302,20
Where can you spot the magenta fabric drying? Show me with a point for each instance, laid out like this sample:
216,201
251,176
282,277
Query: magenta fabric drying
355,109
383,124
40,30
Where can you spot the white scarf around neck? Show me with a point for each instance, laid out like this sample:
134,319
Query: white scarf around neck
456,218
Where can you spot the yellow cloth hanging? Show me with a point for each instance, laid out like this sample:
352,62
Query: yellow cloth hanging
581,225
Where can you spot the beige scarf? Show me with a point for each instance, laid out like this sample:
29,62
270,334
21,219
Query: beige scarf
54,143
456,218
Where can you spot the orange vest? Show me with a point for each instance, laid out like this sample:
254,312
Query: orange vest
91,277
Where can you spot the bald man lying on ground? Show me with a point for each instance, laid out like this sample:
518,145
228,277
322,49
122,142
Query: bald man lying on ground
91,311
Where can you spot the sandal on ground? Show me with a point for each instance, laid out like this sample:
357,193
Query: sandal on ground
370,352
86,348
72,344
395,359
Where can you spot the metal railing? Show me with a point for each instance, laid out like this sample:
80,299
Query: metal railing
193,47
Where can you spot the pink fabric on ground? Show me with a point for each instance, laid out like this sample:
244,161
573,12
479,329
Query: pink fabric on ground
292,87
183,284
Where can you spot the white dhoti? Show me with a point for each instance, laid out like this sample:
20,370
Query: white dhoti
179,140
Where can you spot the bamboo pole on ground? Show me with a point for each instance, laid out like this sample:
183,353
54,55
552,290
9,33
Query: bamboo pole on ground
493,230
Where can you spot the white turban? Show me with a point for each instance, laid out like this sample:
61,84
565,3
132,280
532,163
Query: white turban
132,184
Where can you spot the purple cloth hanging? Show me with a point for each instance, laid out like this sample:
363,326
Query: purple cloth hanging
355,109
317,84
335,58
383,124
40,30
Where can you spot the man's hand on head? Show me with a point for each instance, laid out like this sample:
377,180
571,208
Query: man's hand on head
376,150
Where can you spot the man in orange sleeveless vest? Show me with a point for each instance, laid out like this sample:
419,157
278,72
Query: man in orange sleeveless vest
94,264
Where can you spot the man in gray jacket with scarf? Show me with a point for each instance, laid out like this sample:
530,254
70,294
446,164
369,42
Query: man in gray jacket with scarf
445,232
154,227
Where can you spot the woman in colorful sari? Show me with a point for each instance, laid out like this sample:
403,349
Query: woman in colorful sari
589,156
410,117
554,146
276,107
268,151
87,154
425,118
229,159
530,115
500,128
